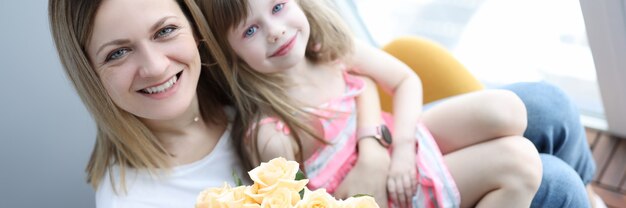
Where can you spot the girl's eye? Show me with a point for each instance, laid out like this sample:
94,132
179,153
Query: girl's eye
250,31
165,31
277,8
117,54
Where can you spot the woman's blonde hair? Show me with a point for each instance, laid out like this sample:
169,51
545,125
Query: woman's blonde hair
122,139
256,94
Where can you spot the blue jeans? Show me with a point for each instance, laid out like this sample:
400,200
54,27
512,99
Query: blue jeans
555,129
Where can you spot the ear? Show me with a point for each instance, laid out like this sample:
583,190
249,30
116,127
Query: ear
316,47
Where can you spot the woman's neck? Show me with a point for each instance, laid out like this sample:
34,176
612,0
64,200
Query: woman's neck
188,137
189,119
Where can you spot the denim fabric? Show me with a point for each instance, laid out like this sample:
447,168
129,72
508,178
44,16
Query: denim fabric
560,186
555,129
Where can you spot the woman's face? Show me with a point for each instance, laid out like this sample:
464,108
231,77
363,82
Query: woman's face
146,56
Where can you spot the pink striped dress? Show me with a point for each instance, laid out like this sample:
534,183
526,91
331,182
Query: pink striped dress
329,165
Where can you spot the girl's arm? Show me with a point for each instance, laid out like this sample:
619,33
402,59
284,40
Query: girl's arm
369,176
273,143
399,80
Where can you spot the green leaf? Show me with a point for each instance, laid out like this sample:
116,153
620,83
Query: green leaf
361,195
300,175
236,178
301,194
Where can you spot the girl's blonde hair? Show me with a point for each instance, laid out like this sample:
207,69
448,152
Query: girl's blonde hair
257,94
122,139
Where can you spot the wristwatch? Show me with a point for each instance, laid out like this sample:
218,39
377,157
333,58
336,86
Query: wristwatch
380,133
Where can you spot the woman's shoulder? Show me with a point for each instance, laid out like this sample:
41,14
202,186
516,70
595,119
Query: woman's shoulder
108,194
177,187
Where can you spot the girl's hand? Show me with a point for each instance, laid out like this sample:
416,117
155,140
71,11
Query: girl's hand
369,174
402,180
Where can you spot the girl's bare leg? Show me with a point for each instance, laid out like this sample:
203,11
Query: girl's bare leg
504,172
476,117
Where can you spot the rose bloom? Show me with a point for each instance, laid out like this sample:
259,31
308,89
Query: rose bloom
277,173
226,197
359,202
268,174
282,197
275,187
318,198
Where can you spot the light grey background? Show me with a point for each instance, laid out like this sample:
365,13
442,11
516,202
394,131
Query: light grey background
46,135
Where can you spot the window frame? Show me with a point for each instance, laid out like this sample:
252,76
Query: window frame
605,22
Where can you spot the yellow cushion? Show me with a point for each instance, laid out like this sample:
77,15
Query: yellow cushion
441,74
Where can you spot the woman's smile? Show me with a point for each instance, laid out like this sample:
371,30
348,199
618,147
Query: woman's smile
164,89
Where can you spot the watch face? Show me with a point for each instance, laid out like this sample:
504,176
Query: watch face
385,134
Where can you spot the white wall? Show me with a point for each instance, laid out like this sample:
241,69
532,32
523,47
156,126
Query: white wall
46,134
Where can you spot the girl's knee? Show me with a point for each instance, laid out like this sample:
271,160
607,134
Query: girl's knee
522,164
504,112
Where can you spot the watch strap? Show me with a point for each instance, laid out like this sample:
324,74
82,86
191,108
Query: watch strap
380,133
368,131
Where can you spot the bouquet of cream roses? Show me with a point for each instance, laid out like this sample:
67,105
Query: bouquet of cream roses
276,184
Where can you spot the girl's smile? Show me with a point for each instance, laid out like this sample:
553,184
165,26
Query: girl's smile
285,48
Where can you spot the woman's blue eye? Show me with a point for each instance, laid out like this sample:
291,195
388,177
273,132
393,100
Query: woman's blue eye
165,32
117,54
277,8
250,31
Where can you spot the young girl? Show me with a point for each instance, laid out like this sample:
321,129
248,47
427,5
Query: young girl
292,73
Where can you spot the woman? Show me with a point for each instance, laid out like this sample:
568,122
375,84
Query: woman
147,79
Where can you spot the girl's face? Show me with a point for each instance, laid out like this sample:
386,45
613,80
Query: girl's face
274,36
146,56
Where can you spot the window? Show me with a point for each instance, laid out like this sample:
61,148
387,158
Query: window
500,41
